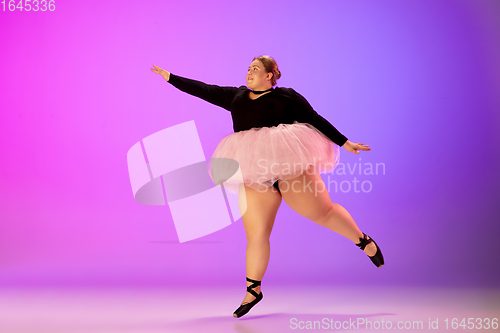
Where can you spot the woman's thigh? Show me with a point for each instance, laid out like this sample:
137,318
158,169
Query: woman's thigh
307,194
259,210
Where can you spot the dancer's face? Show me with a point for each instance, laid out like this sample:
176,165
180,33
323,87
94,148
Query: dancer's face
257,78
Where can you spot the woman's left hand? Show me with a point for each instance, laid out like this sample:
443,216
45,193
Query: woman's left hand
355,147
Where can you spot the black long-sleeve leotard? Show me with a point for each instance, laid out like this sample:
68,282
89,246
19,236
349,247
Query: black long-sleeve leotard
280,106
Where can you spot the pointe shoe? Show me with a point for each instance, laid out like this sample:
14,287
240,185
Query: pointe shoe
377,258
245,307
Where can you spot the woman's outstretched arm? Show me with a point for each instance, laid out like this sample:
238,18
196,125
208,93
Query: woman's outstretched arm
219,95
305,113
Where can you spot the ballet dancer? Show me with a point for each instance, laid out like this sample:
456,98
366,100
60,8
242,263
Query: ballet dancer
275,127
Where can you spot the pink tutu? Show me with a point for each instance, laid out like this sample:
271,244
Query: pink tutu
259,156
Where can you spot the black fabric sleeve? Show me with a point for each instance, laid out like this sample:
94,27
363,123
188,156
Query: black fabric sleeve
219,95
304,113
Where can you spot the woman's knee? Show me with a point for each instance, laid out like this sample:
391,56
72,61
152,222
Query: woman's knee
258,236
325,216
258,228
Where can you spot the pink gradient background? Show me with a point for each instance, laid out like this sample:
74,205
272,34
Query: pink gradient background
418,81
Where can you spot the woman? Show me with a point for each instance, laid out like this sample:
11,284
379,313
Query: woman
273,129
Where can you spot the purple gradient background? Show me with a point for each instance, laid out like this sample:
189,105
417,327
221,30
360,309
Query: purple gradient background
419,81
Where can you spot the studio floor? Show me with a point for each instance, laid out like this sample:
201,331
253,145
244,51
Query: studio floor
283,309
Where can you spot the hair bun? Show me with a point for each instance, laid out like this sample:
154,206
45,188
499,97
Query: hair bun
270,66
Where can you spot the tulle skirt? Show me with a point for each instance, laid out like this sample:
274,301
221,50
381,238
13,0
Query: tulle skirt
260,156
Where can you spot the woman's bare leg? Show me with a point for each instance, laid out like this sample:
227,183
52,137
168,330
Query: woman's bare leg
258,220
313,202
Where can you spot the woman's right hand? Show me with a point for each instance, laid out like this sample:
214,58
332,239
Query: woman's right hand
164,73
355,147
